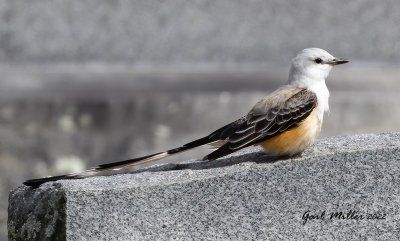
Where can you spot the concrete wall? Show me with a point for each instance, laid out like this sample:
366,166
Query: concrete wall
199,31
249,196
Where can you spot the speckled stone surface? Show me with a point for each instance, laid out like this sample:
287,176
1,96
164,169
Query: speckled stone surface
247,196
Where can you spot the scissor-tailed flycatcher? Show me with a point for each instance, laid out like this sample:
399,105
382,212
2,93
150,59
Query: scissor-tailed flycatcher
283,123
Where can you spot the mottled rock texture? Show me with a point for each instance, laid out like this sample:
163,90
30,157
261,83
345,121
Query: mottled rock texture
246,196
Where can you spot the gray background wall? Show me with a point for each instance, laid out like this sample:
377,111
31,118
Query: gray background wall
88,82
197,31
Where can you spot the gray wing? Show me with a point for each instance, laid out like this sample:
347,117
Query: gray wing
274,114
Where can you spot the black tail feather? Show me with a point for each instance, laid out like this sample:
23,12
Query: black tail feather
220,152
37,182
121,163
219,134
202,141
187,146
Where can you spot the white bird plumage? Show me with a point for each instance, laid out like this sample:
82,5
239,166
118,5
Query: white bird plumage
306,72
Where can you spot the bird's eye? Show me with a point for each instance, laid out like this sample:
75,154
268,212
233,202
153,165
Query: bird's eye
318,60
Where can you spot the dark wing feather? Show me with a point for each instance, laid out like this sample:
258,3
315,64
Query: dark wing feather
282,110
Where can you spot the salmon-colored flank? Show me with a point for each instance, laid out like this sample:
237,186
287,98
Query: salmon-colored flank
296,139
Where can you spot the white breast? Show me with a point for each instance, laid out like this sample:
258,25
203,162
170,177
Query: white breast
322,93
320,90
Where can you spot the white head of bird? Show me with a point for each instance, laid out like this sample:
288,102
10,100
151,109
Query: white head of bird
309,70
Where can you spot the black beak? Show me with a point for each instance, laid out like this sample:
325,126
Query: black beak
337,61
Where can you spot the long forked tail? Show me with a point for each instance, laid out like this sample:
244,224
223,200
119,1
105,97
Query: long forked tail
133,164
